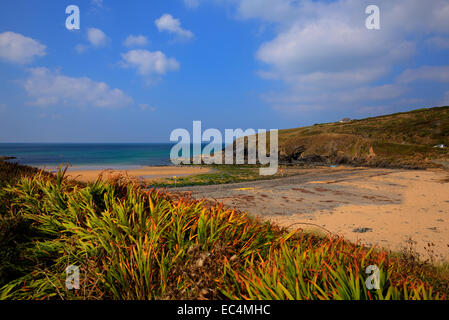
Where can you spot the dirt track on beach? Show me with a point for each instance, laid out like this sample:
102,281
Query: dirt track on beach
388,208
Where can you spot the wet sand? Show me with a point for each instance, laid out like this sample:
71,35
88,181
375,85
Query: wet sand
142,173
394,209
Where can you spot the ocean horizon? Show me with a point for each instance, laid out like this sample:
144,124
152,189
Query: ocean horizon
89,155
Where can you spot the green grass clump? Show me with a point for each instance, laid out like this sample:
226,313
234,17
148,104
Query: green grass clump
220,174
131,244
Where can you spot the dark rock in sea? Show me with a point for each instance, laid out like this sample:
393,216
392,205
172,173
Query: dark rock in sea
2,158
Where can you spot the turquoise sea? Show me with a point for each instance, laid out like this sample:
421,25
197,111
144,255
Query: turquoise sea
90,155
93,155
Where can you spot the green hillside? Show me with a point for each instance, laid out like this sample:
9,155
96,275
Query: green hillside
405,139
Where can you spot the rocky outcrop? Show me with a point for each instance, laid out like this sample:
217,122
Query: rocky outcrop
2,158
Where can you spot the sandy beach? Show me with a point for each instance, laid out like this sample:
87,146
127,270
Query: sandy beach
142,173
394,209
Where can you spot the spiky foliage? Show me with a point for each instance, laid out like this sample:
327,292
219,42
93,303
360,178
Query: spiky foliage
131,244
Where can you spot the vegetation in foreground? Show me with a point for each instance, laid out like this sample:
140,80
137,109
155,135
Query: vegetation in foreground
131,244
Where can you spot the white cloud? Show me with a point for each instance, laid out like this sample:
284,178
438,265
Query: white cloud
192,3
438,42
80,48
145,107
51,116
416,16
324,54
134,41
97,3
281,11
427,73
317,99
372,93
47,88
397,16
97,37
325,46
327,58
337,79
167,23
147,62
17,48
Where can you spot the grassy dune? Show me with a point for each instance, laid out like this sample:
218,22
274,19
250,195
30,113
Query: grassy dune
131,244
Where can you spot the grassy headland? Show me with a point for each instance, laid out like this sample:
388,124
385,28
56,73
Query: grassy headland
405,140
131,244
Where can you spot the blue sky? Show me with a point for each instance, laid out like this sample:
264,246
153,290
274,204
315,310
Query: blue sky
136,70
